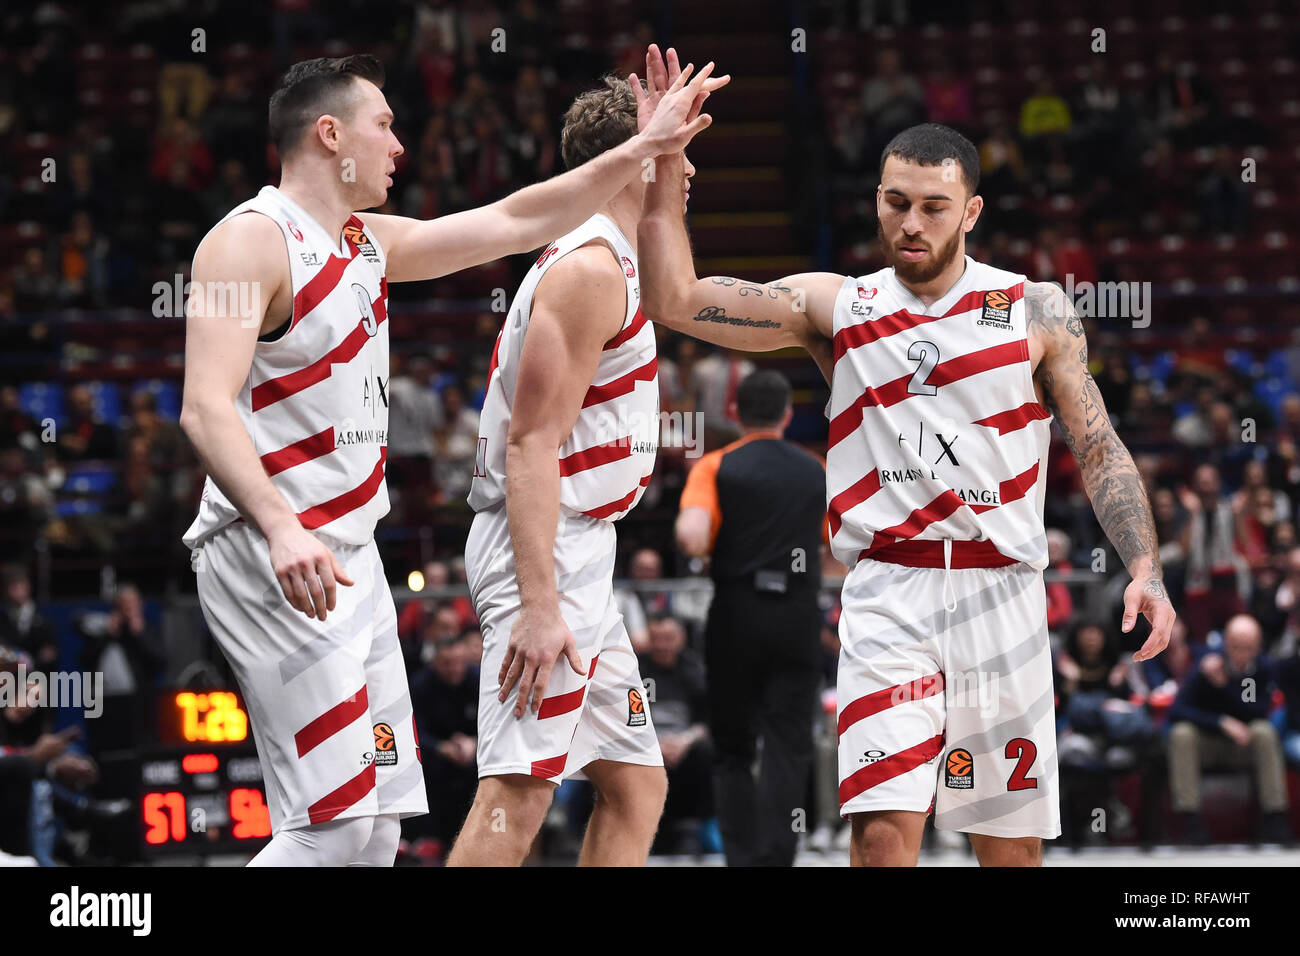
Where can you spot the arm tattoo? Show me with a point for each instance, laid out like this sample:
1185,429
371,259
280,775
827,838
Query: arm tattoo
716,313
749,288
1109,475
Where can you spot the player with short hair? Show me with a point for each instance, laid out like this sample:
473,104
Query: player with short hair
569,434
945,375
285,401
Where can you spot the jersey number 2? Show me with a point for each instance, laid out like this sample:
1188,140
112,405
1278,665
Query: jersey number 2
927,354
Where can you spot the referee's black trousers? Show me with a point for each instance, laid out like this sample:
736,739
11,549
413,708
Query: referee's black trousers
762,653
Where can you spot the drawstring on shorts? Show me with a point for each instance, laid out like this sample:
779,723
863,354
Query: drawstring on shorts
949,606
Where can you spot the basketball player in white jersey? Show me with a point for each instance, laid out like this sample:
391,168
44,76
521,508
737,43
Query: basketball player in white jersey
570,429
285,401
945,375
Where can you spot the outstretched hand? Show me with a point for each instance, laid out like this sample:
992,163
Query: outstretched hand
1147,596
667,77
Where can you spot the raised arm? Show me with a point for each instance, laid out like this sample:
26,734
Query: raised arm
535,215
578,306
1112,482
219,344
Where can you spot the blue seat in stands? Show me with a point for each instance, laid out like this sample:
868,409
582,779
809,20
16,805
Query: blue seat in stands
1277,365
41,400
1271,391
1162,365
108,402
78,506
90,479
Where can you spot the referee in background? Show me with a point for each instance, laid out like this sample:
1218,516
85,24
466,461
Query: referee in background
758,506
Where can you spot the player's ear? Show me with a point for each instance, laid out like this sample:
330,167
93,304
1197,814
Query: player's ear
974,206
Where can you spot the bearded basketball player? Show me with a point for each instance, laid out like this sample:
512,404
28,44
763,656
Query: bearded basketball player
286,371
946,374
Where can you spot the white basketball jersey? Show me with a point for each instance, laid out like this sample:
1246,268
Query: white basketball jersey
606,461
315,402
936,431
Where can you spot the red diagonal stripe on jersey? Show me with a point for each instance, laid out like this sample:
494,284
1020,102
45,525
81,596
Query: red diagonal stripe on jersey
879,700
550,767
852,496
889,767
1016,418
335,508
614,507
603,454
638,320
277,389
945,373
332,721
322,443
869,330
1013,489
621,385
566,703
922,518
317,288
330,806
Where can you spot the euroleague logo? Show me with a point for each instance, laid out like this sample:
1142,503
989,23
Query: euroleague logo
635,708
959,769
385,746
997,310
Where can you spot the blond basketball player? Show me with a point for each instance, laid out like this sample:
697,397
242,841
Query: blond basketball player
570,429
285,400
945,376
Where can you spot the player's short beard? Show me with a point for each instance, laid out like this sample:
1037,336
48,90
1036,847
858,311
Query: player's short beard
919,273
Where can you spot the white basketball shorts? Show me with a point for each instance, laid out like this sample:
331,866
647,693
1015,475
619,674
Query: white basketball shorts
328,700
602,715
945,700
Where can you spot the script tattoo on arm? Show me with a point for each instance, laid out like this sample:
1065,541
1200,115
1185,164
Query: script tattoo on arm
1071,395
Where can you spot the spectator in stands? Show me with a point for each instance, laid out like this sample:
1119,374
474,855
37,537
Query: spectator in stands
1224,198
1288,681
947,98
1096,684
1002,167
164,445
714,382
35,284
127,649
414,417
17,428
457,442
22,626
1287,602
231,187
25,505
1161,676
1060,604
675,687
1044,117
85,437
444,697
445,625
1220,719
1216,578
1183,101
892,100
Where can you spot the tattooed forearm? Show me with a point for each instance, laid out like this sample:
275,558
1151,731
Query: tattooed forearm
716,313
1072,396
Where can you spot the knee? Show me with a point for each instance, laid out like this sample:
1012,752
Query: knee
639,798
1263,732
1183,734
515,797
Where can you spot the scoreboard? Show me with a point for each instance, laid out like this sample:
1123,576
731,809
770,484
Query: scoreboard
200,787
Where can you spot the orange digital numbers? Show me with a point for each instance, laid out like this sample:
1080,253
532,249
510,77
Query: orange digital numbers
250,813
215,717
165,815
